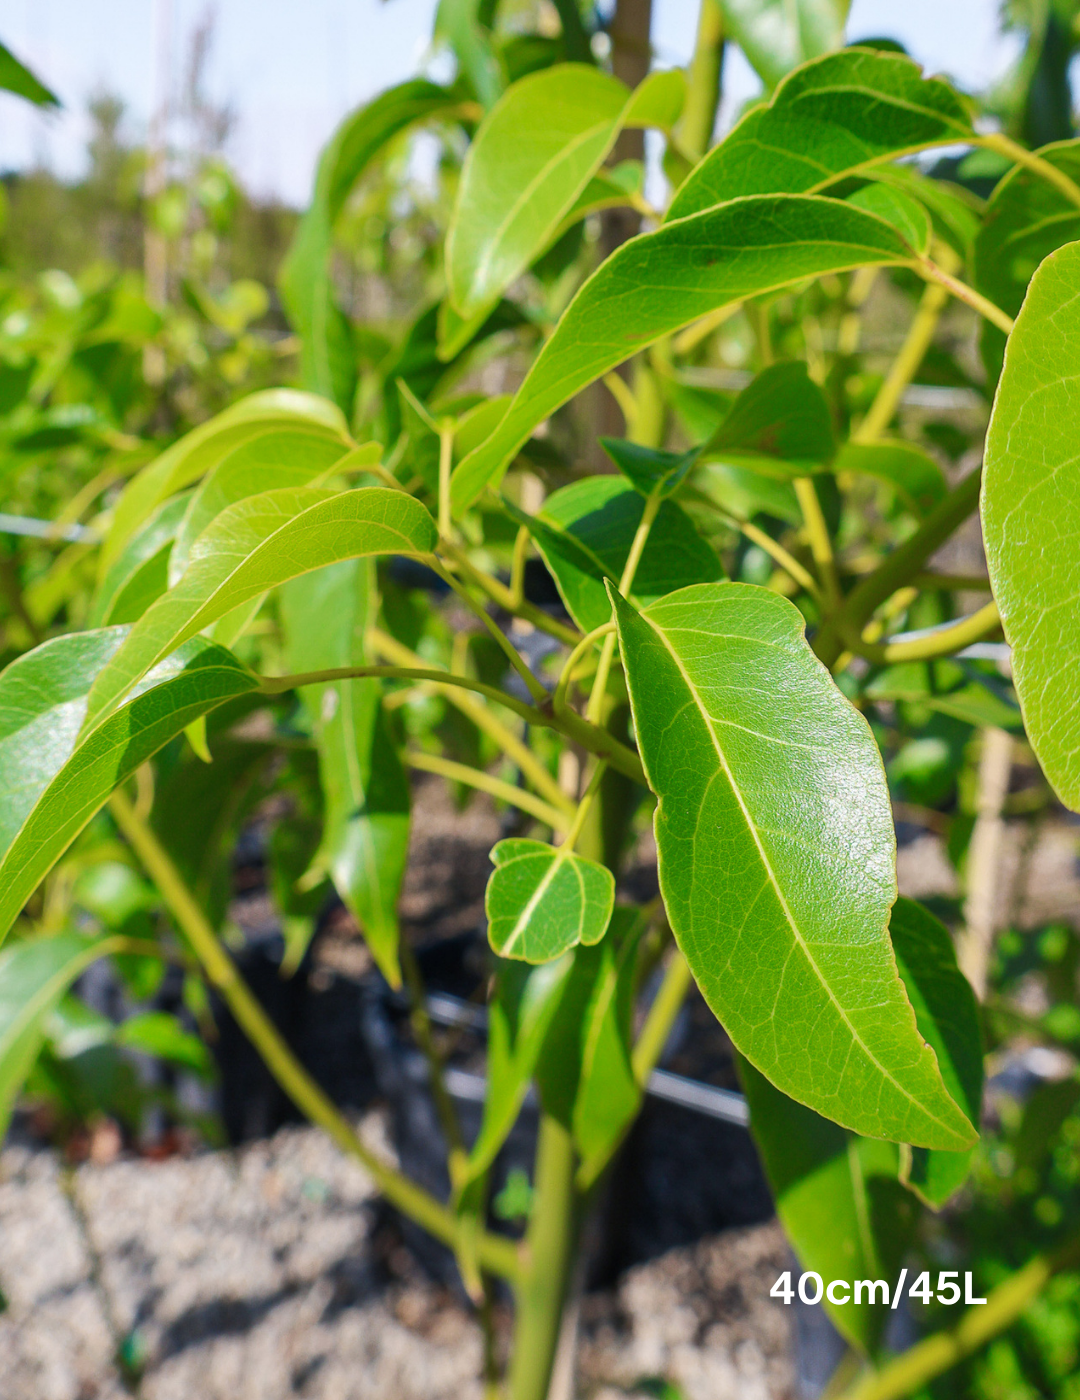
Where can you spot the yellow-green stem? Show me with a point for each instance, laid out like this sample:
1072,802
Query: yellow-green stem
485,782
446,458
497,1255
698,118
929,269
820,541
939,1353
905,366
532,685
566,676
944,642
666,1006
504,598
1012,150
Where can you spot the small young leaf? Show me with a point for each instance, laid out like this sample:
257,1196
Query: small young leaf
898,208
585,532
776,850
543,899
160,1034
833,117
1031,516
781,414
947,1016
838,1198
662,281
53,785
253,546
647,468
33,977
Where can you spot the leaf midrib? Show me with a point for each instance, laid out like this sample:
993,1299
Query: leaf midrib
771,874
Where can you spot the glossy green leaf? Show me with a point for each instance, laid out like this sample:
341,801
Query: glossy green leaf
200,450
584,534
253,546
913,473
459,22
781,415
947,1016
520,1012
141,573
776,857
778,35
542,900
532,157
835,116
365,840
648,469
16,77
954,211
663,280
328,360
1031,516
33,977
839,1200
950,688
1026,219
277,458
51,784
898,208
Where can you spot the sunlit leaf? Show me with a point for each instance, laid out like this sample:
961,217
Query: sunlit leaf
543,899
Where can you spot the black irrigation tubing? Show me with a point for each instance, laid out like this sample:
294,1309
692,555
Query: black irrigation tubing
724,1104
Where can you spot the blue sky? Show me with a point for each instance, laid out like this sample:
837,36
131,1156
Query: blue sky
293,68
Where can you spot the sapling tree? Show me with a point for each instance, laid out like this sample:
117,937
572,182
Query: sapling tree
746,587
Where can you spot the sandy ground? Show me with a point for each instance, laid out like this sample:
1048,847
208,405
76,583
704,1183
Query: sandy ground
264,1273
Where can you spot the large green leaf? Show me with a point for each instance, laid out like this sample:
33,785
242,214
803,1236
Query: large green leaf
947,1016
663,280
534,154
200,450
365,838
51,784
832,117
542,900
33,977
1031,515
519,1014
778,35
776,856
1026,219
781,416
253,546
585,531
328,360
16,77
837,1195
279,457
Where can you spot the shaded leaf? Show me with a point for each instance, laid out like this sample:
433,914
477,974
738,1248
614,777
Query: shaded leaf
913,473
776,35
781,414
648,468
542,900
776,857
16,77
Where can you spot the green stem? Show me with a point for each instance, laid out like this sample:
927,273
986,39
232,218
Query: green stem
506,599
532,685
575,39
446,460
939,1353
929,269
898,568
1012,150
905,366
484,782
497,1255
820,542
943,642
558,699
703,82
549,1256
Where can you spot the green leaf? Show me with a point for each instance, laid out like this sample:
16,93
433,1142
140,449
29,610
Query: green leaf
1045,1113
947,1016
913,473
1031,516
660,281
776,856
835,116
276,458
776,35
200,451
33,977
647,468
584,534
780,415
253,546
954,211
160,1034
950,688
141,573
542,899
838,1198
532,158
1026,219
365,840
459,22
519,1015
898,208
52,786
328,361
16,77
